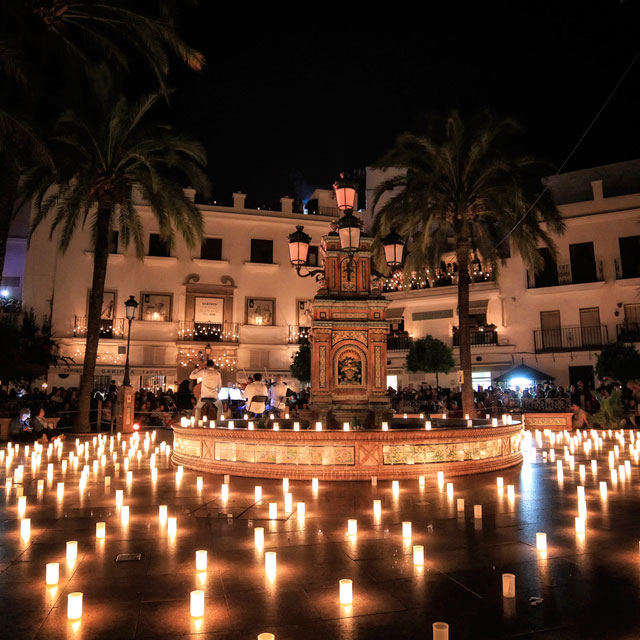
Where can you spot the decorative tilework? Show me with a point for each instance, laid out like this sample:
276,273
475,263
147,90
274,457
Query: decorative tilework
323,365
188,447
378,361
257,453
428,453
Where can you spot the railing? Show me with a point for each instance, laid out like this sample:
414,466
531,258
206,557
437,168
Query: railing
628,332
399,343
542,405
208,331
570,339
298,334
108,328
478,338
426,280
620,274
565,276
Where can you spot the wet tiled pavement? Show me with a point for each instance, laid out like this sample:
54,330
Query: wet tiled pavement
589,585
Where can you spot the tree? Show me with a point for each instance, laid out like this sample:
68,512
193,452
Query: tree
618,361
430,355
462,189
100,162
52,53
301,366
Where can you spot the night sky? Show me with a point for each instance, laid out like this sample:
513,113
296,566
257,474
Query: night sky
283,109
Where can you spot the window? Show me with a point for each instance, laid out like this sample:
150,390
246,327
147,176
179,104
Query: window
583,263
155,307
158,247
313,257
113,242
630,256
548,275
211,249
262,251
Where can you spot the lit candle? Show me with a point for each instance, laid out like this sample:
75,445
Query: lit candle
418,555
440,631
318,426
270,562
101,530
406,529
450,489
314,484
162,514
52,573
288,502
345,426
124,515
273,510
172,526
224,492
385,426
508,585
460,504
296,426
258,537
201,560
346,591
74,605
500,482
285,485
427,425
72,551
250,426
377,508
199,483
25,528
477,511
22,505
395,487
421,481
352,527
300,509
257,493
440,478
197,603
541,541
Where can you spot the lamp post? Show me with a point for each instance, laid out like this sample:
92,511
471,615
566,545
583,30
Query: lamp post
130,307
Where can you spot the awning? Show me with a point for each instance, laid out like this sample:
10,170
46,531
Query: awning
524,371
395,313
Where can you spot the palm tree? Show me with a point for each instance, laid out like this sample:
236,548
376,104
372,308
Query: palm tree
101,162
463,189
49,53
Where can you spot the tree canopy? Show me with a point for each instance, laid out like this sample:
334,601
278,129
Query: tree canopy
618,361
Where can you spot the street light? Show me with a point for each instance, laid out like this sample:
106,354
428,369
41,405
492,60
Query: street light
298,252
393,247
130,307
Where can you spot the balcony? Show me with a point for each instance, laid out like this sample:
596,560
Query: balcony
479,338
570,339
428,280
564,277
113,329
624,272
399,343
208,332
628,332
298,334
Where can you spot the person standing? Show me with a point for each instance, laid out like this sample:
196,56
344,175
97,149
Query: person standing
211,381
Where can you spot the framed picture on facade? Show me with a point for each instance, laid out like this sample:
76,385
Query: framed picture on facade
108,305
208,310
304,313
155,307
261,311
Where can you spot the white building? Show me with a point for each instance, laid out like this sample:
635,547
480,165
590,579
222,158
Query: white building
237,293
555,321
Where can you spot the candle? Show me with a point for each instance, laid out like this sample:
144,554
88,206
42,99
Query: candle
257,493
172,526
60,490
427,425
385,426
250,425
201,560
377,508
541,541
300,509
199,483
314,484
440,631
258,537
511,492
418,555
345,426
101,530
460,504
270,562
580,524
273,510
124,515
224,492
318,426
450,489
162,514
477,511
406,529
197,603
22,505
440,478
72,551
508,585
500,482
52,573
346,591
74,605
421,481
296,426
395,487
352,527
25,528
119,496
285,485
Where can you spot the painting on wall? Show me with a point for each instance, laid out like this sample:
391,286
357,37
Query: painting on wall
261,311
108,305
305,315
155,307
349,368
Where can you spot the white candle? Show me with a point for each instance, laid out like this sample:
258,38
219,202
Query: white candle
273,510
511,492
72,551
406,529
257,493
508,585
427,425
500,482
418,555
346,591
300,509
285,485
318,426
345,426
477,511
421,481
101,530
385,426
224,492
288,502
352,527
440,631
460,504
450,489
22,505
541,541
296,426
395,487
258,537
314,484
172,526
74,605
377,508
440,478
162,514
199,483
201,560
197,603
25,528
270,562
52,573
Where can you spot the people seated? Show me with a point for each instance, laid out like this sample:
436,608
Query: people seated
278,395
256,395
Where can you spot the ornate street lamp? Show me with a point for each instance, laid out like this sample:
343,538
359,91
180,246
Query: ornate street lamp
130,307
393,245
299,251
345,191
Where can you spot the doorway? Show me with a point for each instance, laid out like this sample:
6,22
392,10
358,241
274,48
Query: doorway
590,327
583,262
551,329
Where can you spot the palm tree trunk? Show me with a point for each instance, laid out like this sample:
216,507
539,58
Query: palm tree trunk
9,178
100,258
464,333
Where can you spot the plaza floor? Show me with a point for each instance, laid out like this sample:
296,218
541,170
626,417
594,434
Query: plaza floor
589,585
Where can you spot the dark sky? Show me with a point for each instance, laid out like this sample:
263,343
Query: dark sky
283,108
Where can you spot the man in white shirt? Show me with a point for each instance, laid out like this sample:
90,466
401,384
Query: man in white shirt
256,388
277,395
211,383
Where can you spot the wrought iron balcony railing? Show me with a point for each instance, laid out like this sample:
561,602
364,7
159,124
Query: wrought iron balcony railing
478,338
208,331
570,339
628,332
108,328
565,276
399,343
298,334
